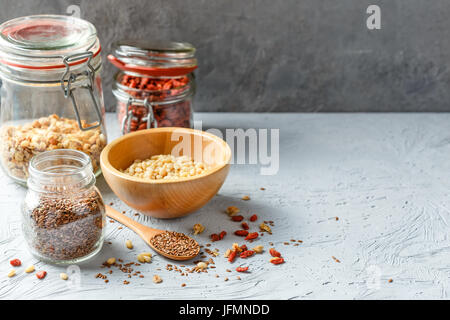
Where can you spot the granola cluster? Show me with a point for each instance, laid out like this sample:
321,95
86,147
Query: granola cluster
20,143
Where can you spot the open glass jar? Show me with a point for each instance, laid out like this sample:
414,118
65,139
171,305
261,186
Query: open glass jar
51,94
155,85
63,212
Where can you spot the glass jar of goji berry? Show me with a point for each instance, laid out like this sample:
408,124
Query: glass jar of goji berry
155,85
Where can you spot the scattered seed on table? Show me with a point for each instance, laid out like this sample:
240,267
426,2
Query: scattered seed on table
30,269
63,276
245,198
129,244
336,259
183,284
111,261
12,273
390,280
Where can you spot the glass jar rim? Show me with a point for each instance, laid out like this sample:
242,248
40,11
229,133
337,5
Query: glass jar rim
157,58
43,41
39,177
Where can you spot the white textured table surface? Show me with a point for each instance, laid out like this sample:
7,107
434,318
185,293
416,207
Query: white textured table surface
385,176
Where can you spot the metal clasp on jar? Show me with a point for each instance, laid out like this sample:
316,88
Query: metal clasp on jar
68,90
149,118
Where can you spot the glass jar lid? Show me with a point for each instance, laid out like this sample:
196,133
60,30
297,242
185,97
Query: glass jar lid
158,58
40,41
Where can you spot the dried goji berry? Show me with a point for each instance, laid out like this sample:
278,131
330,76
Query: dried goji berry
222,235
15,262
177,114
274,253
241,233
247,254
252,236
41,274
215,237
242,269
232,256
245,226
244,247
237,218
277,260
253,218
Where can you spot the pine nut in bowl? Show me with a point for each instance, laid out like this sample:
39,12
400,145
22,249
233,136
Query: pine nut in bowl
166,172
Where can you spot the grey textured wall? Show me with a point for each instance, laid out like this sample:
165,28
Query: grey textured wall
290,55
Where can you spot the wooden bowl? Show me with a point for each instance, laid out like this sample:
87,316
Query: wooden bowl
166,198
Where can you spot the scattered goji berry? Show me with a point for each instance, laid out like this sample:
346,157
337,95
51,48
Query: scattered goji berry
245,226
277,260
15,263
253,218
247,254
232,256
41,274
244,247
252,236
242,269
222,235
274,253
215,237
237,218
241,233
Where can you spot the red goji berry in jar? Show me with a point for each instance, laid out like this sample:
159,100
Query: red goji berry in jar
274,253
237,218
241,233
242,269
232,256
277,260
168,87
245,226
253,218
41,274
222,235
15,263
252,236
247,254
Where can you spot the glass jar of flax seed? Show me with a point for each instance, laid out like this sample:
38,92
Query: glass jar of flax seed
50,90
155,84
63,213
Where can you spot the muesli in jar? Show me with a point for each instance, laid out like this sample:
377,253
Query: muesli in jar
20,143
50,90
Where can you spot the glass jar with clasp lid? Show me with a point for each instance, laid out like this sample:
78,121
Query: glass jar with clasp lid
51,92
155,84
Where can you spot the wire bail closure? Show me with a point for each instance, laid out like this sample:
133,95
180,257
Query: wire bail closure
150,118
72,77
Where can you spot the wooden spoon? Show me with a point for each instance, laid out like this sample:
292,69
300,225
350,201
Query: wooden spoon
146,233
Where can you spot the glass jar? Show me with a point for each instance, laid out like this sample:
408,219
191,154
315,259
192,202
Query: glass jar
51,93
63,214
155,85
